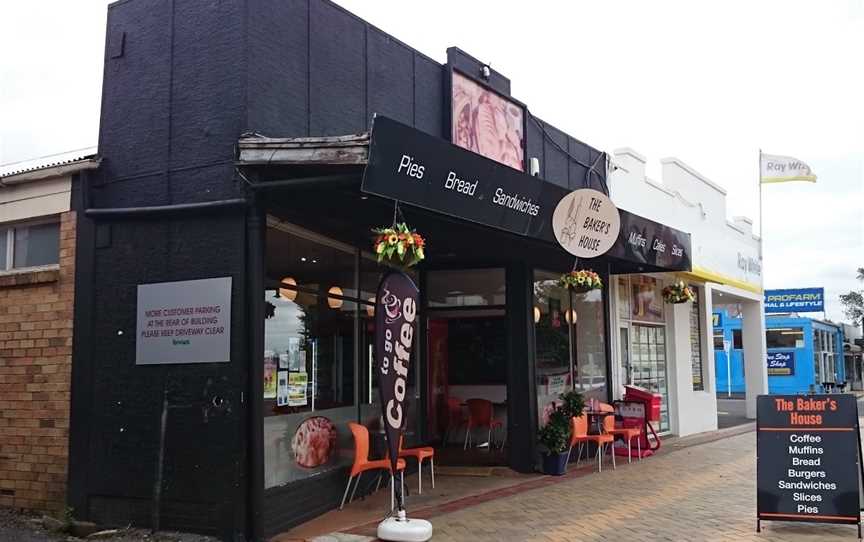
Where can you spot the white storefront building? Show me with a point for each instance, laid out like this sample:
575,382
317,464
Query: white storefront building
669,348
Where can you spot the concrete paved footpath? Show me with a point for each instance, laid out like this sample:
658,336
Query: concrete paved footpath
702,492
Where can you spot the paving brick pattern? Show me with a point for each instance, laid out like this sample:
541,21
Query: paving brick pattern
35,372
703,492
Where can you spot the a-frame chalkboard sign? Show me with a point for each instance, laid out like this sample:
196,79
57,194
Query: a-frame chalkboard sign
808,459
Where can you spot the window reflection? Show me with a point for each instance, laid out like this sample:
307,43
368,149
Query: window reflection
569,341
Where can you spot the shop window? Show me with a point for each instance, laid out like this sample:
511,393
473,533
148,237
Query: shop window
311,348
696,342
553,333
466,288
784,337
29,245
737,341
570,341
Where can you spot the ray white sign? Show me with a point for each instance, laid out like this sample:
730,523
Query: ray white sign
586,223
184,322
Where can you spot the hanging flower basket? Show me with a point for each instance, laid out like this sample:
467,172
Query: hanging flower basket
399,246
581,281
678,293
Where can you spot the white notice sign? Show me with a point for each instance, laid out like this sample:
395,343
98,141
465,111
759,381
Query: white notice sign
184,322
586,223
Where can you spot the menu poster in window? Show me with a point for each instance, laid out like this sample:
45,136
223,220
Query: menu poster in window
270,363
647,306
282,388
297,387
183,322
296,356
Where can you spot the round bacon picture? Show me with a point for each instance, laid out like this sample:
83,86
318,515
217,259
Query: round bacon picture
314,442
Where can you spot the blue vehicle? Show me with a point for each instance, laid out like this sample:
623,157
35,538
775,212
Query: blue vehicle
804,355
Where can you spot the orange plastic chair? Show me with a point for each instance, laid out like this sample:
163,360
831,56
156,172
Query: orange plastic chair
579,435
626,433
420,453
480,415
362,463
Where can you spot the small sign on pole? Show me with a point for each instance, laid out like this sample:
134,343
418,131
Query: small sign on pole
808,459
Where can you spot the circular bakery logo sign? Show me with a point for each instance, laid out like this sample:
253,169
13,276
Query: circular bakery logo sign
586,223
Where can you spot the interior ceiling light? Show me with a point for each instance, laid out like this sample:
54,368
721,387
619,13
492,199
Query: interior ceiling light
536,314
288,293
334,302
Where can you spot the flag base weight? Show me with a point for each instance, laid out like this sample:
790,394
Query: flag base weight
402,529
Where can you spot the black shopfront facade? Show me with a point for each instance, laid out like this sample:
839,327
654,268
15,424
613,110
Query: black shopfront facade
191,189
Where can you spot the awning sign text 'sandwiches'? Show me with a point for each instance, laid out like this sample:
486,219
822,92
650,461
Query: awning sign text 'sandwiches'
410,166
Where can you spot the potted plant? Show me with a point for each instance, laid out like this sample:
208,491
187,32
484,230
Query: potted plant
399,246
581,281
678,293
555,438
572,403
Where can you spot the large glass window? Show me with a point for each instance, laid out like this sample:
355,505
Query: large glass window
649,364
570,342
29,245
644,358
309,355
784,337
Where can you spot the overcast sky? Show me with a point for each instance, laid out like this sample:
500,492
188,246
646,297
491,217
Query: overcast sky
708,82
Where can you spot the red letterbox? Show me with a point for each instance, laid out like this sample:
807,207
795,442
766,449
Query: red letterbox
651,400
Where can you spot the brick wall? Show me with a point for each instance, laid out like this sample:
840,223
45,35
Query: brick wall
35,372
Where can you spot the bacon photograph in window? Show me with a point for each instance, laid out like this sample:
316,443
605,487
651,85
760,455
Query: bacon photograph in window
314,442
486,123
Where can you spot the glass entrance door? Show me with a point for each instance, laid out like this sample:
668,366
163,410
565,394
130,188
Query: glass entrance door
647,367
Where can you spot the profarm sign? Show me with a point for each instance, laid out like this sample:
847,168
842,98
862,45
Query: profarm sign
184,322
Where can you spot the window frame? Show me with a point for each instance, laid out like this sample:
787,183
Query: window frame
8,230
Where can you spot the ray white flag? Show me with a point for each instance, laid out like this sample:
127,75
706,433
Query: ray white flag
784,169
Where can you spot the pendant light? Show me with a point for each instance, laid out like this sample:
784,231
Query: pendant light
289,294
334,302
536,314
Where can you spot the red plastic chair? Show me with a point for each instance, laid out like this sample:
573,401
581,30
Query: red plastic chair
455,417
362,463
480,413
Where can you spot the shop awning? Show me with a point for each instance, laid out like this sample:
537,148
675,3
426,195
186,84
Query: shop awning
400,162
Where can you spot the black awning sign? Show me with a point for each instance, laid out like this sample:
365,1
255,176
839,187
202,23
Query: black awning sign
808,458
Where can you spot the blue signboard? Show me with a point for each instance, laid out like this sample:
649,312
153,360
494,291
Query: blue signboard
781,363
795,300
717,319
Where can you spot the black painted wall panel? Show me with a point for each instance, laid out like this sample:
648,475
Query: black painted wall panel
337,63
534,145
429,97
207,94
390,70
133,135
556,160
278,75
